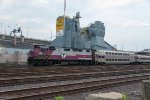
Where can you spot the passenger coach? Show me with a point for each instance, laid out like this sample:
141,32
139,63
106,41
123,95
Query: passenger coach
113,57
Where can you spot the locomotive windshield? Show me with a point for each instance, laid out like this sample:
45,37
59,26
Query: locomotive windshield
36,47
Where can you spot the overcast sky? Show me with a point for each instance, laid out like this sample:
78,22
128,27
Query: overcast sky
127,22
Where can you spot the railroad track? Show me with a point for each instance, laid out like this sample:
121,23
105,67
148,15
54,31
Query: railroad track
23,71
67,88
11,81
44,82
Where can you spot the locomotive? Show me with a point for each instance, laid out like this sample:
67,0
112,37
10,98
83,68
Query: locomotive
48,55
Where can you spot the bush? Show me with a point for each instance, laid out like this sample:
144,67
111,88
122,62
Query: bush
59,98
124,97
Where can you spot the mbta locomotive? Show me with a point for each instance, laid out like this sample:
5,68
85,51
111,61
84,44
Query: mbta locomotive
48,55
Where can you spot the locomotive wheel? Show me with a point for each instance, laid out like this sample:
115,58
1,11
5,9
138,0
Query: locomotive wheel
35,63
84,63
46,62
40,62
50,62
96,63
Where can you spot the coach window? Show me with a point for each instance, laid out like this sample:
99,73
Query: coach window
43,49
103,56
106,53
112,59
109,53
87,50
115,59
76,49
80,50
66,49
52,48
112,53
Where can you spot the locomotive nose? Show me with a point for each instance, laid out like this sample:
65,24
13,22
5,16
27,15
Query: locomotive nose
31,53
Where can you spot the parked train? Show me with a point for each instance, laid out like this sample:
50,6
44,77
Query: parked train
47,55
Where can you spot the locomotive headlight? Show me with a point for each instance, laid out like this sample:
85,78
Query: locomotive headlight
40,53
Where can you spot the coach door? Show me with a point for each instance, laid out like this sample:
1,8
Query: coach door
136,58
93,55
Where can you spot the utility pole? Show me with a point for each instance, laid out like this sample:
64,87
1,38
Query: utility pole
5,34
9,29
5,31
51,36
136,48
1,27
27,31
122,46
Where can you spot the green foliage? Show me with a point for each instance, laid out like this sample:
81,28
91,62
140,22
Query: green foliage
124,97
59,98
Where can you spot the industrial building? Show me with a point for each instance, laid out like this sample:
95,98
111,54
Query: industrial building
71,35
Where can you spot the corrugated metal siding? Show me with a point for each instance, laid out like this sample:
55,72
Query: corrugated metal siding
11,55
